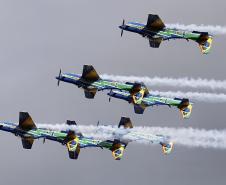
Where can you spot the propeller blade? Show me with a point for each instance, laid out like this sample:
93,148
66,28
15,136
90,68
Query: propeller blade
121,33
58,82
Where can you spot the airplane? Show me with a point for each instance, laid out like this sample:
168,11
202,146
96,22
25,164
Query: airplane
74,140
141,98
91,82
156,31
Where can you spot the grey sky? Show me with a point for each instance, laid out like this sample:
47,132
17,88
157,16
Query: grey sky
37,38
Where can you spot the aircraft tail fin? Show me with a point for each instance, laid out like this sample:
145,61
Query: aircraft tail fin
26,122
185,108
117,150
138,92
125,122
205,41
72,143
89,74
167,147
154,23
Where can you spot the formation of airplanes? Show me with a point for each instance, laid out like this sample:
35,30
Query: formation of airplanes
74,141
135,93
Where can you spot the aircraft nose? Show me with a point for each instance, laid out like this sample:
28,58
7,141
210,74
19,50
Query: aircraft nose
123,27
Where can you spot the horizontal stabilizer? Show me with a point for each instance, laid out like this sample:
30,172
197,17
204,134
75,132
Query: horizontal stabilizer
155,42
25,121
90,94
89,74
69,122
125,122
27,142
139,109
154,23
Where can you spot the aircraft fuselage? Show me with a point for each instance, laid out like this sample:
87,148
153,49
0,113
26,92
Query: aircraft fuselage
100,84
165,34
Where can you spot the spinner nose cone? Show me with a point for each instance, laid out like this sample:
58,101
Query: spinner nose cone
122,27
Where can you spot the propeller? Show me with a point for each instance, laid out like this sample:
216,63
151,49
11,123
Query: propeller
58,82
123,24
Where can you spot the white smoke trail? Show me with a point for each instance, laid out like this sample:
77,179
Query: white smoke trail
173,82
217,30
191,137
202,97
188,137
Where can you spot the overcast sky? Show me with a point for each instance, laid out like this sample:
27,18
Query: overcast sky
37,38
